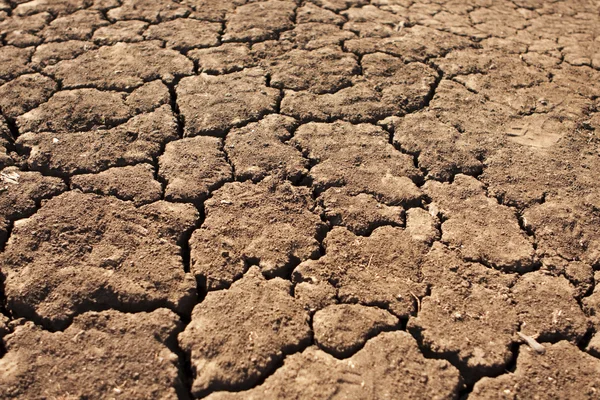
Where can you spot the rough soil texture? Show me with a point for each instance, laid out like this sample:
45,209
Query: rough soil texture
303,199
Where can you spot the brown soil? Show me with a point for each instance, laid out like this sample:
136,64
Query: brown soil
303,199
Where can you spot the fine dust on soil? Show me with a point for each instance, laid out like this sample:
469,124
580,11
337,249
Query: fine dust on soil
299,199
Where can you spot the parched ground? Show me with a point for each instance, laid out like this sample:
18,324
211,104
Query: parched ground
299,199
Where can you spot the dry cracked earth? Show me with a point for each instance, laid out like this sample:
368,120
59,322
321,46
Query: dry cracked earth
309,199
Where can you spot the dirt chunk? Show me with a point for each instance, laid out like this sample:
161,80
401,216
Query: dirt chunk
312,36
407,85
229,57
522,177
482,229
445,268
360,213
260,149
238,335
417,43
193,167
23,31
213,104
422,226
548,309
133,183
138,140
6,142
4,329
480,121
580,79
320,71
591,304
360,159
315,297
150,11
439,147
20,194
24,93
562,371
389,365
342,329
87,109
121,66
498,21
209,10
380,270
77,26
339,5
505,71
581,276
371,21
16,61
566,227
55,7
51,53
310,12
259,21
76,110
125,355
120,31
148,97
268,224
388,87
20,191
184,34
129,258
592,348
459,324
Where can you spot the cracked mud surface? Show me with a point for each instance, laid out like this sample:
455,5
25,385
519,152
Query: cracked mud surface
303,199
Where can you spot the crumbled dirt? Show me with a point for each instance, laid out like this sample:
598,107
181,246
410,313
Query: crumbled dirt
378,199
